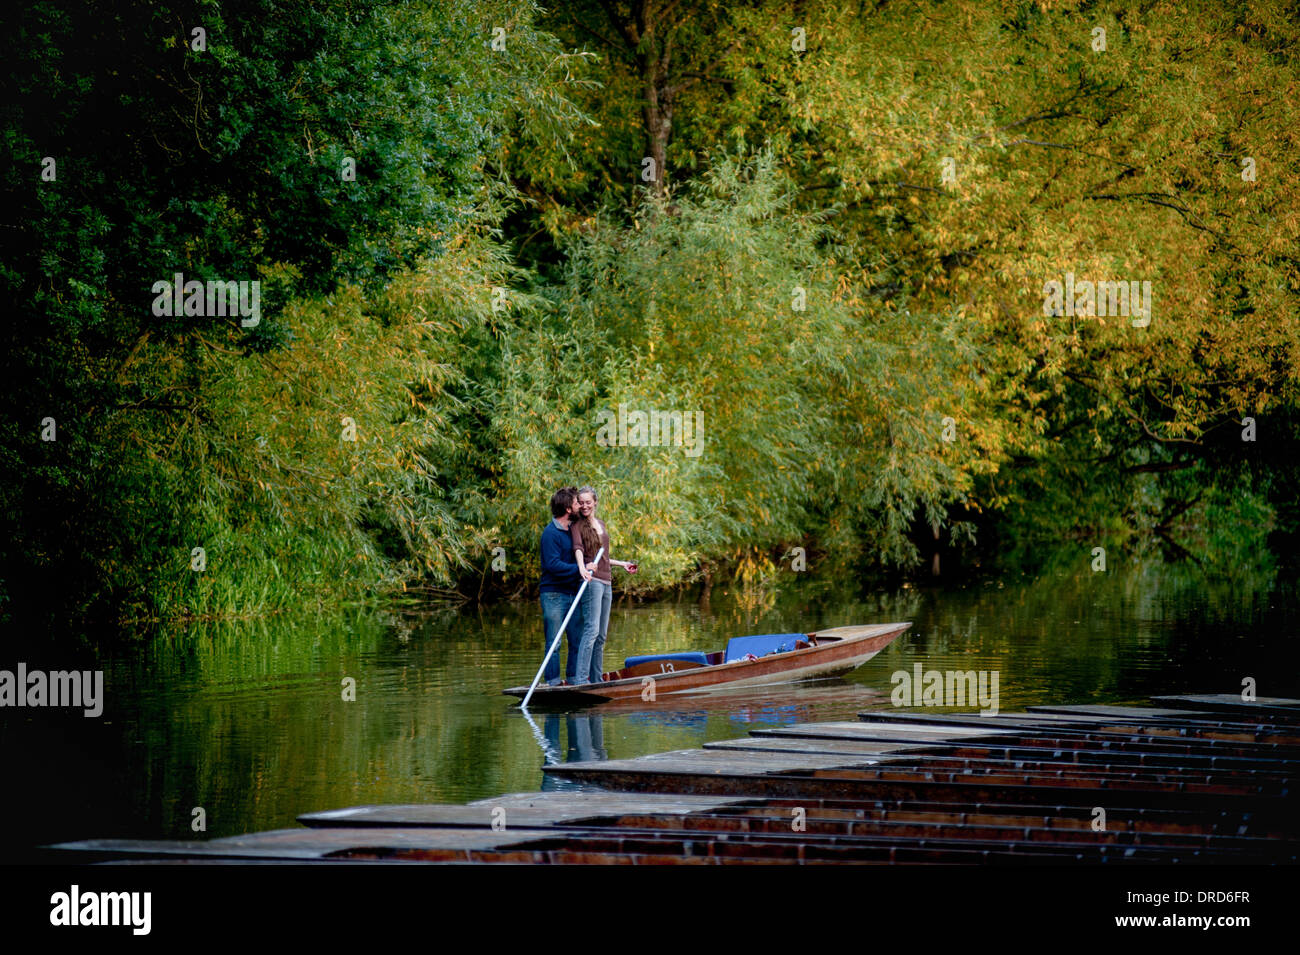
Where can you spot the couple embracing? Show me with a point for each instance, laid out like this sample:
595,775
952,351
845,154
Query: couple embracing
570,543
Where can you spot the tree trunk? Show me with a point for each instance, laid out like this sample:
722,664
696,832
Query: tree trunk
658,118
653,55
648,33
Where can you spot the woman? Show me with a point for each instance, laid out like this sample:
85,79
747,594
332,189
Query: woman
589,536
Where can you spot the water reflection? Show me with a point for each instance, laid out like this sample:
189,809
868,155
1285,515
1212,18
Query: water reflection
246,719
586,735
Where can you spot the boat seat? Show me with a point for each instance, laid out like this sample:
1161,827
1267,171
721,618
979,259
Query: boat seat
761,645
690,656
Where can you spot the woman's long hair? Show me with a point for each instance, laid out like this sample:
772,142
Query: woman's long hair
587,528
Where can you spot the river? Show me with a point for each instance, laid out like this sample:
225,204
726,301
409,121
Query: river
247,721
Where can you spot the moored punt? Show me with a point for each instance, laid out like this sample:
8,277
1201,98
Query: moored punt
306,844
1268,707
518,810
746,661
1277,740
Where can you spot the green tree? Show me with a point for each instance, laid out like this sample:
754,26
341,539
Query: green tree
218,141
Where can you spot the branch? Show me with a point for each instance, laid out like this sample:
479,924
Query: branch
215,347
1056,111
667,10
625,27
1180,552
675,88
1028,119
1160,468
1078,378
1155,199
1038,142
619,47
1179,511
1155,437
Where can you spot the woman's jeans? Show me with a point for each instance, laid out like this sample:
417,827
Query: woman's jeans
554,607
595,612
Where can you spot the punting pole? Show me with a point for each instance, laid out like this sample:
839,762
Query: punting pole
559,633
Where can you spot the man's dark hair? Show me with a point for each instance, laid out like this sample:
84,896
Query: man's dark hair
562,500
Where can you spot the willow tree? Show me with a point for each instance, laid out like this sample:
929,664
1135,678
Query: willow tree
730,310
980,152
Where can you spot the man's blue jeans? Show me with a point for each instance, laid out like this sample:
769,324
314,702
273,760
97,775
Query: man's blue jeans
595,607
554,607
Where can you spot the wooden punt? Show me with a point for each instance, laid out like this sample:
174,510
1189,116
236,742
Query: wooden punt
817,654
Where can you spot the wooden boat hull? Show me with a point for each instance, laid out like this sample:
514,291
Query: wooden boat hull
837,650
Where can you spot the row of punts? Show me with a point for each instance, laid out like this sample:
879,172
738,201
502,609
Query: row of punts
1200,780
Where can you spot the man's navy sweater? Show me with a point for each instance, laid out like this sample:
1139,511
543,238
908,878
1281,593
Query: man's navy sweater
559,569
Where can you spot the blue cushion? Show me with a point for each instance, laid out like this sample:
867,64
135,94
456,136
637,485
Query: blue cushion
691,656
761,645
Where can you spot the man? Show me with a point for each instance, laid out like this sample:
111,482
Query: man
559,585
